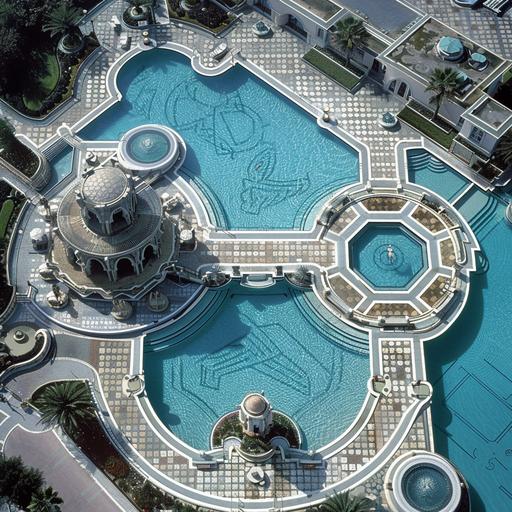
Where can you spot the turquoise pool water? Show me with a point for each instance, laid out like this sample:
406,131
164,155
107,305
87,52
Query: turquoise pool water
148,147
60,167
430,172
258,341
470,366
261,161
387,256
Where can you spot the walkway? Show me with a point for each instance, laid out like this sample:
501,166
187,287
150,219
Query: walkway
80,491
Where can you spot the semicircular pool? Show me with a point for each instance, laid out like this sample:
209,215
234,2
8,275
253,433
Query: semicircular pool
238,342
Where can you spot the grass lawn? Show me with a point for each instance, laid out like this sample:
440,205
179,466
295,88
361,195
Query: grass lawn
428,128
46,84
5,215
332,69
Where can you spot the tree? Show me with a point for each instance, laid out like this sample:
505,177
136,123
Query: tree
443,83
350,33
63,20
45,500
65,404
148,496
7,138
18,482
302,275
344,502
504,149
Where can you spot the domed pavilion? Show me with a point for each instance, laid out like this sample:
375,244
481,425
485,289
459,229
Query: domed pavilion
112,236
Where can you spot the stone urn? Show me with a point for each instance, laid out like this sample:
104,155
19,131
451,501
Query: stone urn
58,298
121,310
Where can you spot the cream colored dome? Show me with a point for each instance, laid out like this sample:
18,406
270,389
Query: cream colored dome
255,404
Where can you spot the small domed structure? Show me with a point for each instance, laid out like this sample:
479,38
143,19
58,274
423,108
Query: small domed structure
255,414
450,48
107,199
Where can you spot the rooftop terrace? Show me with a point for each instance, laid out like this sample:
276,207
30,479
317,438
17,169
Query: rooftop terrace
389,16
324,9
418,53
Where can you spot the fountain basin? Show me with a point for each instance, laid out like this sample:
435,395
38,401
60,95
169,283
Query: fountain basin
151,148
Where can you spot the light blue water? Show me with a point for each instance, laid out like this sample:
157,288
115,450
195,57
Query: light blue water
387,256
262,162
60,167
257,341
426,488
430,172
470,366
148,146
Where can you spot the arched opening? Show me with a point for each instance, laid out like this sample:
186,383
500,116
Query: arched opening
72,257
296,25
149,253
96,268
125,268
118,221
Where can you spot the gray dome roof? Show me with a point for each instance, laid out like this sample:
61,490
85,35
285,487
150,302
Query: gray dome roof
255,404
104,185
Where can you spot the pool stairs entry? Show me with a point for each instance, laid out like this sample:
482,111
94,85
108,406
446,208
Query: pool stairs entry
421,159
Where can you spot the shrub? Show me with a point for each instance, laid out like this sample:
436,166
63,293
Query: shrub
116,466
254,445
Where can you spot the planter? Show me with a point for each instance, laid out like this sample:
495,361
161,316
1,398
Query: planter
138,16
67,48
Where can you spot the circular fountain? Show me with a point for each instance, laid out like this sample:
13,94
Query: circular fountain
151,148
423,482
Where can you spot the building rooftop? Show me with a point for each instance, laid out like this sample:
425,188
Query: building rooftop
420,54
391,17
323,9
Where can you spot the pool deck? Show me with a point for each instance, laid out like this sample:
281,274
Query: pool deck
389,424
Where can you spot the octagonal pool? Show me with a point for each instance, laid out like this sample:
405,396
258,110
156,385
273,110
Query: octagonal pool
387,255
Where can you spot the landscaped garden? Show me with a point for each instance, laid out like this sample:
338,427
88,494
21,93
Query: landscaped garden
10,205
42,49
69,405
204,14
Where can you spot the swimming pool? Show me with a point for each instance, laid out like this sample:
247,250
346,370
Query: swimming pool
258,341
262,162
430,172
387,255
470,365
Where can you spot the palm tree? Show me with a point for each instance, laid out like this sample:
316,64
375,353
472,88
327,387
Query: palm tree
350,33
504,149
65,404
302,275
443,83
344,502
45,500
63,20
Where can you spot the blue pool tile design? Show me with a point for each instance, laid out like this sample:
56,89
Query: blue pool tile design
387,256
256,341
260,160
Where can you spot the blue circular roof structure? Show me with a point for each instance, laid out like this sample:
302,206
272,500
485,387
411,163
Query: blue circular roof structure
450,48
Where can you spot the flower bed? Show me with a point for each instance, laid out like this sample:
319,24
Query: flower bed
69,65
92,440
332,69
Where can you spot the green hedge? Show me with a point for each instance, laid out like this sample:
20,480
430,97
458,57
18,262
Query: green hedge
5,215
332,69
428,128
